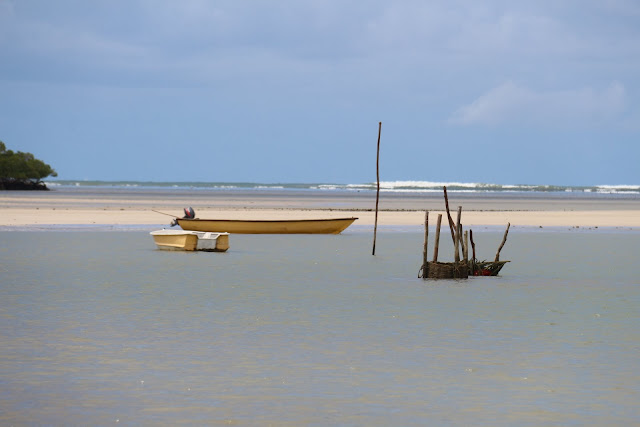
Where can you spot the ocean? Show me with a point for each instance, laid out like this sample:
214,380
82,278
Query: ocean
385,186
101,328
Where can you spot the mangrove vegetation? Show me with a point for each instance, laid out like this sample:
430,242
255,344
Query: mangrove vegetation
22,171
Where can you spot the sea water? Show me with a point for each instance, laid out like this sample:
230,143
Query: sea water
101,328
386,186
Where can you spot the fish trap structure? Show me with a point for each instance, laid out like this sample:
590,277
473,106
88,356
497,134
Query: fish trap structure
446,270
462,267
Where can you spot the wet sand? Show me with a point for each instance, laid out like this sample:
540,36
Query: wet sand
134,207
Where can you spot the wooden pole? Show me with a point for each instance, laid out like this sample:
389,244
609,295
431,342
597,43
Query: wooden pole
465,248
472,267
424,268
504,240
458,238
473,245
446,204
435,249
375,227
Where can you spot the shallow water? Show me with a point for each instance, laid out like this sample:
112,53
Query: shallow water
101,328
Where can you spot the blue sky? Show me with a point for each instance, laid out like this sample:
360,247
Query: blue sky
504,92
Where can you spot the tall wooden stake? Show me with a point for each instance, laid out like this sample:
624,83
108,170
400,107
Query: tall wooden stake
426,244
451,226
473,267
465,248
457,241
435,249
375,226
473,245
504,240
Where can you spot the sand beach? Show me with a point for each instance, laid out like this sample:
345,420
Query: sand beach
95,206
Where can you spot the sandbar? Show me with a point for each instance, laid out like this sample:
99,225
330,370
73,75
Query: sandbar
101,207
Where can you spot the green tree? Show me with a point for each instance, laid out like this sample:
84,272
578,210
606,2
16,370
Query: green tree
20,170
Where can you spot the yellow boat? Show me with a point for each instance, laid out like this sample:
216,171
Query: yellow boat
300,226
180,240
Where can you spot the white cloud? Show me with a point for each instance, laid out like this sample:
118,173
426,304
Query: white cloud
511,103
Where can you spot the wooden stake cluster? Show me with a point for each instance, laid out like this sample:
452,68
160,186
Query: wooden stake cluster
462,267
445,270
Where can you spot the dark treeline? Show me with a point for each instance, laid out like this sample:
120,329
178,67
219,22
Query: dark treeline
22,171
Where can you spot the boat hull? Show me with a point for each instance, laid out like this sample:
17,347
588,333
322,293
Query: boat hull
179,240
303,226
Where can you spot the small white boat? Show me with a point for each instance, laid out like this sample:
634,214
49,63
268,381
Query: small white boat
184,240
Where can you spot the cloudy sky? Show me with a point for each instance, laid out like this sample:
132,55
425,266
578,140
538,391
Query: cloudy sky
505,92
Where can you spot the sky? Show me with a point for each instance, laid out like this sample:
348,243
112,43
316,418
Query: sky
292,91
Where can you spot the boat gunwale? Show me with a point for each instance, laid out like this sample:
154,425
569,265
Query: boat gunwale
265,226
268,220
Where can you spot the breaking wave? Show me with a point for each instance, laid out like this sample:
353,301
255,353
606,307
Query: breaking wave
385,186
